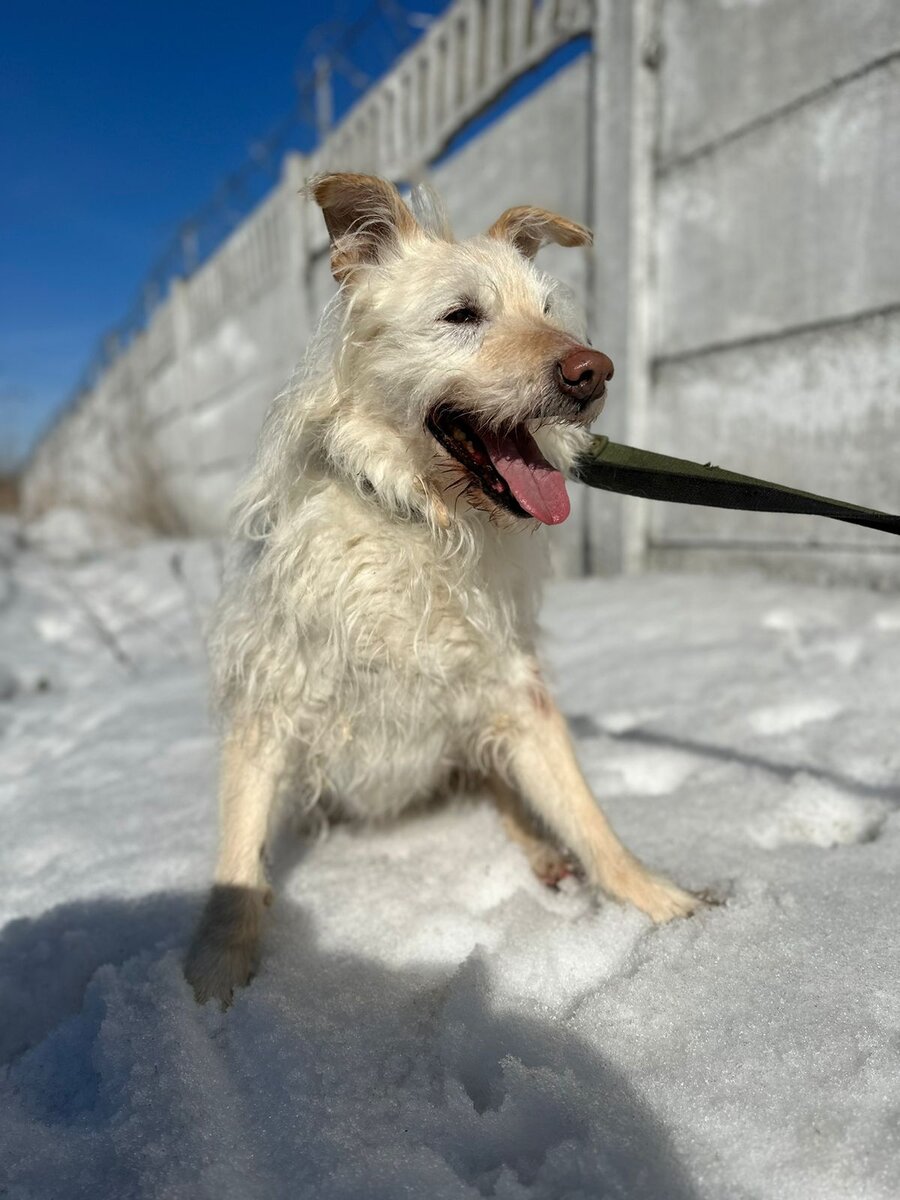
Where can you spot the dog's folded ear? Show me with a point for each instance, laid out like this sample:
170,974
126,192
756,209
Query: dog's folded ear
365,218
530,228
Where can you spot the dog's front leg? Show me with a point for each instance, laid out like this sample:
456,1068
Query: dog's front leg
224,953
544,771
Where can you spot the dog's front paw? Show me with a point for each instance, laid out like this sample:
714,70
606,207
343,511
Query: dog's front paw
214,971
224,953
663,901
658,897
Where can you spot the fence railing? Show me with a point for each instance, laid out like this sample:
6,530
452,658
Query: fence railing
461,64
243,265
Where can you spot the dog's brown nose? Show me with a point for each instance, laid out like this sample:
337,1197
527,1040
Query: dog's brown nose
583,373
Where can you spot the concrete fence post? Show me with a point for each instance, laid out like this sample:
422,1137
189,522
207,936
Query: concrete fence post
621,189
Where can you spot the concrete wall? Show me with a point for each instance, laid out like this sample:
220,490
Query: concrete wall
776,299
166,432
740,164
241,324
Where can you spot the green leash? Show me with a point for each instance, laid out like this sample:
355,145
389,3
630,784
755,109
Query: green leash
617,468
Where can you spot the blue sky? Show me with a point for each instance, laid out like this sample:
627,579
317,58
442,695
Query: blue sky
116,122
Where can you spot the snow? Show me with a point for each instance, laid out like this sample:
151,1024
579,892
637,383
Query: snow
429,1021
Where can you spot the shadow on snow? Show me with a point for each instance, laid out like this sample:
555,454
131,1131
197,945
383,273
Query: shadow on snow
329,1077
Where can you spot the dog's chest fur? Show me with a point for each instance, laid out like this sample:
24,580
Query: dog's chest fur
435,650
409,655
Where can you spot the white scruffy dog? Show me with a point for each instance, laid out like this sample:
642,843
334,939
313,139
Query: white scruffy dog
376,645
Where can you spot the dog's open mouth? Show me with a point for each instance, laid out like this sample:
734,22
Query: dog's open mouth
507,467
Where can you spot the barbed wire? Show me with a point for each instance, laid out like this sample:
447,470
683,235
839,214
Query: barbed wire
326,88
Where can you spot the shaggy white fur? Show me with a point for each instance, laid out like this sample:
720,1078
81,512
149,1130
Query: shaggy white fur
375,642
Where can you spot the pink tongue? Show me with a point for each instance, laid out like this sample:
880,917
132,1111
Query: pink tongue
538,487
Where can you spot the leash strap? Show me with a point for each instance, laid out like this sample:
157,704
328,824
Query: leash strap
617,468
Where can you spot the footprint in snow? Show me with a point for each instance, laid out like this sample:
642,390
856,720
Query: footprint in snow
817,814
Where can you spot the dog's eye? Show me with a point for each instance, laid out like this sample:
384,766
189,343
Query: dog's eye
465,315
546,308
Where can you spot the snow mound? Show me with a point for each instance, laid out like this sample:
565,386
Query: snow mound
785,718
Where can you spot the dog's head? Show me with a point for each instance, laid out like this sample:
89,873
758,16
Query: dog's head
461,355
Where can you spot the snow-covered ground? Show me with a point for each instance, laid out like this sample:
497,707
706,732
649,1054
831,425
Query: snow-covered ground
430,1022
